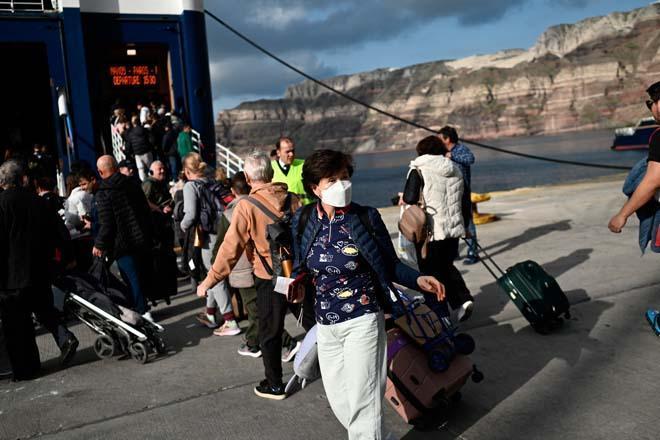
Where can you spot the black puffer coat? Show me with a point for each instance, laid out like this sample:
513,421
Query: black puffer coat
124,220
139,140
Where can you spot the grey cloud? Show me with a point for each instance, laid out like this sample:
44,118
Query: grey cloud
258,75
344,23
294,27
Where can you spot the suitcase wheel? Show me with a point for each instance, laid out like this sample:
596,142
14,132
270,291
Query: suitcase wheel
464,344
477,376
567,315
541,328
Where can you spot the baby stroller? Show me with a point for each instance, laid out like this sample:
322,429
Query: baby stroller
106,310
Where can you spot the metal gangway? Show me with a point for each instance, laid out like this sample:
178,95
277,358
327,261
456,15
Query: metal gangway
224,157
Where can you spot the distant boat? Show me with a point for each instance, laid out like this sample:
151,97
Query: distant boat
634,138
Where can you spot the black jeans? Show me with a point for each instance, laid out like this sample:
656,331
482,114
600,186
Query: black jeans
439,263
18,329
272,308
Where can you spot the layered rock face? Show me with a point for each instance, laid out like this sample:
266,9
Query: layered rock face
591,74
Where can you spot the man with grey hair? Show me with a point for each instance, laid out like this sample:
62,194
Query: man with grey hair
248,232
28,239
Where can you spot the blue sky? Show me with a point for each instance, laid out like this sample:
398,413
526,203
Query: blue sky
346,36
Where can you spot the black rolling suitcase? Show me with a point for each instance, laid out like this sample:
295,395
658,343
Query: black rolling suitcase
536,293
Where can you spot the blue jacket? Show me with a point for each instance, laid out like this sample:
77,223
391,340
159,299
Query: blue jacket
379,253
649,214
463,158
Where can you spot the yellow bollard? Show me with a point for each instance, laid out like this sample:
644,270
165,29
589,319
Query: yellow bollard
477,217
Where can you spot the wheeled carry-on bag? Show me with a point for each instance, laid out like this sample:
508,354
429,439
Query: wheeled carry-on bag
536,293
427,361
414,390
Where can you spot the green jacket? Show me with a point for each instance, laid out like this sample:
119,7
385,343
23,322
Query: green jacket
184,144
293,179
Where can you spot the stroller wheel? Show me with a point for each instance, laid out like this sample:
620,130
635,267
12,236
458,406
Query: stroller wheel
464,343
104,347
139,352
159,345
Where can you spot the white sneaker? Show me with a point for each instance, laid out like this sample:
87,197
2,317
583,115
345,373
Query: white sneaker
465,311
148,317
229,328
289,353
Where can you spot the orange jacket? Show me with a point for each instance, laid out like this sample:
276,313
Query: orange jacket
248,231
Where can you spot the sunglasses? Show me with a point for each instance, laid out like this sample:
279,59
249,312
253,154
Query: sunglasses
649,103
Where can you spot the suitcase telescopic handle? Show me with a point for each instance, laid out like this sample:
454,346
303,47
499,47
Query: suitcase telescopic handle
489,259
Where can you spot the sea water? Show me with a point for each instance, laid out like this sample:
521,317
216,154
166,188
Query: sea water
379,176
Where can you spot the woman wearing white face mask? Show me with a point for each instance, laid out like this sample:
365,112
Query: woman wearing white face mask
348,253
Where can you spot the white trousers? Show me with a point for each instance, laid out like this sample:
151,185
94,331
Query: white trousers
143,162
352,356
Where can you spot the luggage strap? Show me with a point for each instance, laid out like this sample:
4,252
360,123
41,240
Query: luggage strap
410,397
489,259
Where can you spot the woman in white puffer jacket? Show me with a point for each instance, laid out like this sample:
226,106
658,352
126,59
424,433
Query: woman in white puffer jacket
441,184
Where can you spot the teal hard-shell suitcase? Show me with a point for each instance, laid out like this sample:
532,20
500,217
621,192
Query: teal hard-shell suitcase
535,292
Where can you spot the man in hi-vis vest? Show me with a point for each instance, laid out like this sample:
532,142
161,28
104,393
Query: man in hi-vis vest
288,169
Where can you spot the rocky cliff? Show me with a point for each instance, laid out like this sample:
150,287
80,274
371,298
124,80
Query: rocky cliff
591,74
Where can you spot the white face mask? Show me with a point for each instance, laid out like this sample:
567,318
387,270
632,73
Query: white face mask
338,194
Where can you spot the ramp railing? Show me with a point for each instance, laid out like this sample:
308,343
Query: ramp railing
28,6
230,161
224,157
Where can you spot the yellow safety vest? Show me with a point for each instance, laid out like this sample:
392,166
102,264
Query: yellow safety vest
293,178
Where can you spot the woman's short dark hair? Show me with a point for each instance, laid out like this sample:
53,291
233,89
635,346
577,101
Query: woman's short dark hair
324,164
431,145
449,132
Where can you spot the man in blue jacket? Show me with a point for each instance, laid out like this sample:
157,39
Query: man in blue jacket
463,158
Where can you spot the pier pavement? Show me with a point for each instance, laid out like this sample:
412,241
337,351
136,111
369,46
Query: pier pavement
595,378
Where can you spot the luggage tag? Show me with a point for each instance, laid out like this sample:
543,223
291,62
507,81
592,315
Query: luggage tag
191,265
282,285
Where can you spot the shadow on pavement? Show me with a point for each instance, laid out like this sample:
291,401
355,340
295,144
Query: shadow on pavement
491,300
506,378
504,375
529,235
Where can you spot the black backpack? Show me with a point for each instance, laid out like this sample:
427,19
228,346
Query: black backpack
209,206
279,238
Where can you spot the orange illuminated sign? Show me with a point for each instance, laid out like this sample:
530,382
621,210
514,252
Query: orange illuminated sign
138,75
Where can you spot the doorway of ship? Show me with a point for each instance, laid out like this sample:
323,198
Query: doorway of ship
129,76
26,102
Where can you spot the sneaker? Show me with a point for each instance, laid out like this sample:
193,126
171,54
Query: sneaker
68,349
207,320
229,328
473,259
465,311
289,353
149,318
268,391
652,318
246,350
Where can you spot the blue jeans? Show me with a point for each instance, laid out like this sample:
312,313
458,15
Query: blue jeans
472,241
133,272
174,167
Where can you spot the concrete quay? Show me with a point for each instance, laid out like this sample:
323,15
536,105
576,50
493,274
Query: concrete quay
595,378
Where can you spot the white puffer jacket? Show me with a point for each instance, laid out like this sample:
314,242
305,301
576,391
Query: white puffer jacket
443,191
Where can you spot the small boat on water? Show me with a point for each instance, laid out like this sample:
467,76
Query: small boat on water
634,138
